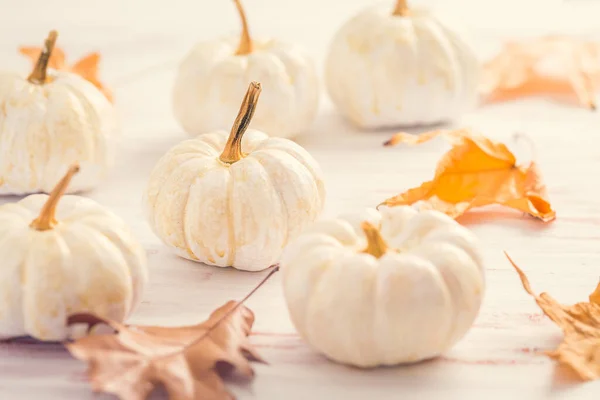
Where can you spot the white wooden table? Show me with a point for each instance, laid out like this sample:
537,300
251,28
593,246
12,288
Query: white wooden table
141,42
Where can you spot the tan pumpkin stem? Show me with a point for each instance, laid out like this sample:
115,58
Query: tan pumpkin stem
38,75
47,218
376,246
401,8
246,46
233,147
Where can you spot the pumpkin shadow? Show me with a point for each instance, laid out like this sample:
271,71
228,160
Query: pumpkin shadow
10,198
31,341
219,270
397,368
341,127
415,129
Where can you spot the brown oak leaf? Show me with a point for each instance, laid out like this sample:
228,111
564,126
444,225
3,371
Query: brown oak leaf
189,361
580,323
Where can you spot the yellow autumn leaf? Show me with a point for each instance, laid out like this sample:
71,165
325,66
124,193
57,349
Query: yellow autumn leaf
476,172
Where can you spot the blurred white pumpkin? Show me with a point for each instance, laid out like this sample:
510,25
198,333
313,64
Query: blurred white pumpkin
49,121
383,288
63,259
400,67
214,76
234,199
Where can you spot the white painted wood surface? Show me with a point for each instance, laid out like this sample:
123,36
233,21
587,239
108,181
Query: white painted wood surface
142,41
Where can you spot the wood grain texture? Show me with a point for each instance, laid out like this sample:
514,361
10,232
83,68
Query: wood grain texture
141,43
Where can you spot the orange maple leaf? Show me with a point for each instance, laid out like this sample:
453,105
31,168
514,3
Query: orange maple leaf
580,323
86,67
516,70
476,172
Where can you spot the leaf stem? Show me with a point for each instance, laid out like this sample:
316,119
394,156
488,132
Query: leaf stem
525,137
38,75
595,296
246,46
233,148
228,313
47,217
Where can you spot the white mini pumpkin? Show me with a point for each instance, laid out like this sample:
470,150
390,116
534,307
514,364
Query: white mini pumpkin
49,121
383,288
214,76
400,68
234,199
83,260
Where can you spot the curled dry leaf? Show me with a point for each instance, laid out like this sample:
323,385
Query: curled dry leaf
86,67
476,172
580,323
188,361
517,70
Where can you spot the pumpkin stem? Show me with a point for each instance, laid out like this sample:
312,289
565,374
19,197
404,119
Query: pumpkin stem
401,8
38,75
233,147
376,246
47,218
245,46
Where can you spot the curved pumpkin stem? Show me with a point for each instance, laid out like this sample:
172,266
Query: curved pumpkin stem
47,218
376,246
233,148
38,75
246,46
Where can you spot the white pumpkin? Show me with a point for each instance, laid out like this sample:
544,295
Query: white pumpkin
400,68
234,199
383,288
74,257
214,76
49,121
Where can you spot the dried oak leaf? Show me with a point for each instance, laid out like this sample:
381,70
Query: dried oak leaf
517,70
476,172
580,323
86,67
188,361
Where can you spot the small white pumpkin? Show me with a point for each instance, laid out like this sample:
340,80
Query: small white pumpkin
214,76
383,288
74,257
400,68
234,199
49,121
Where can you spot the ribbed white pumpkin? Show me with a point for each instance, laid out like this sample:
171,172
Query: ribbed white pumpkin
400,68
85,260
49,121
215,74
383,288
234,199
